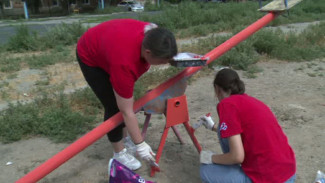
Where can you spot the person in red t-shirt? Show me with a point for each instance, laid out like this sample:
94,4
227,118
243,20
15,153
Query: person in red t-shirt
255,149
112,56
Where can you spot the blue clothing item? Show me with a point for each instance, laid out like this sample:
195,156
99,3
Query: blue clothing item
214,173
292,179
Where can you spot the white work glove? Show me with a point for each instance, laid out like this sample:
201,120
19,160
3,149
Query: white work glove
207,121
145,152
206,157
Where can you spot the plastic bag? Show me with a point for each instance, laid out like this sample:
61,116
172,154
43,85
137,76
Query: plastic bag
320,177
119,173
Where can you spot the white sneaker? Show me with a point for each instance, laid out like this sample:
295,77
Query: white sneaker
127,159
130,146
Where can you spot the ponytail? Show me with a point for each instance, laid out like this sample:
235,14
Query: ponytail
229,81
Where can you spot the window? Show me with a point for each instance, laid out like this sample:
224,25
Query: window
86,1
73,2
55,2
7,4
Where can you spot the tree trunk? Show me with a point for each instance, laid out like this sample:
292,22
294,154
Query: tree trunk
2,13
64,5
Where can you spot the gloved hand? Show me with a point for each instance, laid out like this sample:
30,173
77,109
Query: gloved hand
206,157
207,121
145,152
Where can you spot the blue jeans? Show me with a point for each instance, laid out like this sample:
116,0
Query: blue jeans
213,173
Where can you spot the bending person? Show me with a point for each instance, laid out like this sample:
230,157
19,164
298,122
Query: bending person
112,56
255,149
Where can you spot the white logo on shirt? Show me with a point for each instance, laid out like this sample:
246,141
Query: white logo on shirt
223,126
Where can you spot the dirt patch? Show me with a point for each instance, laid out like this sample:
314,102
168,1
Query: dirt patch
294,91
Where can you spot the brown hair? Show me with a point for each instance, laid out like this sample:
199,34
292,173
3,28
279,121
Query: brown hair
229,81
161,42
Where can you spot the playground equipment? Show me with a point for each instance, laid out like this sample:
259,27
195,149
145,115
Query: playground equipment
155,94
279,5
176,113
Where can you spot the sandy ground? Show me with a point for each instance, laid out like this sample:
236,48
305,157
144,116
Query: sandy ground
294,91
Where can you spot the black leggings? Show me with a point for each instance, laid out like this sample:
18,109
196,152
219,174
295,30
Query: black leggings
98,81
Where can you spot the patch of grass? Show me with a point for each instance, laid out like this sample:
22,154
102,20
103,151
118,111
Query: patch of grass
52,117
308,45
86,101
252,71
17,121
265,42
61,35
312,74
319,68
240,57
23,40
301,68
4,84
12,76
43,82
202,14
8,64
42,60
4,95
311,64
61,124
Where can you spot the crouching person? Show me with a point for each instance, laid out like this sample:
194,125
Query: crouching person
255,149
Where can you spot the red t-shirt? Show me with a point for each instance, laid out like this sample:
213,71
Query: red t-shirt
115,46
268,155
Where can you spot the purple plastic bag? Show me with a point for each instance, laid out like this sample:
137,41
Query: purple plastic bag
119,173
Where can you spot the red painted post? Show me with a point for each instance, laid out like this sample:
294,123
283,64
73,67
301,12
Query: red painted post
92,136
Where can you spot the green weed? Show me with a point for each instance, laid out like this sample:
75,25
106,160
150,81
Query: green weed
12,76
252,71
52,117
9,64
43,82
23,40
43,60
4,84
63,34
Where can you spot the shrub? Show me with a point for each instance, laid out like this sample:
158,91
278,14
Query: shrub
264,42
18,121
23,40
46,116
8,64
63,34
240,57
61,124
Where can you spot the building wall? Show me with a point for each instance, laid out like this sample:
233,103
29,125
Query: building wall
16,7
